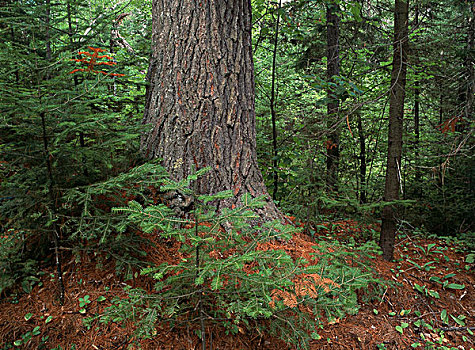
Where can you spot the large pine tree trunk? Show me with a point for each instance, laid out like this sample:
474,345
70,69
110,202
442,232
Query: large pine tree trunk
396,114
200,102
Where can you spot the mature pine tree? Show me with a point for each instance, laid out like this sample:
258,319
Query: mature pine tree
200,101
396,114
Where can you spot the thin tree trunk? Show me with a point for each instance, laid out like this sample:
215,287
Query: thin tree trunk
116,38
469,63
362,157
275,160
333,70
200,101
56,234
70,35
47,30
417,99
82,142
441,106
396,114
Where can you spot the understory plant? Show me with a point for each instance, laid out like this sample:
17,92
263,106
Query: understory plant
70,120
227,272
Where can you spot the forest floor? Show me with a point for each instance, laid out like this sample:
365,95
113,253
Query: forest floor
430,304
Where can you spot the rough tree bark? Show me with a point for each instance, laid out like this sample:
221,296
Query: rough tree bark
469,63
396,114
200,101
417,104
333,70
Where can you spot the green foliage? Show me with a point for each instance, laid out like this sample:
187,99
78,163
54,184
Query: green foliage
61,134
449,199
69,153
426,291
437,165
401,328
96,229
15,268
83,302
350,269
227,273
221,277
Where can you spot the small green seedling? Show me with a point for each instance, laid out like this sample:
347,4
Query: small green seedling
444,316
83,302
25,338
459,319
426,291
405,312
401,328
426,251
453,285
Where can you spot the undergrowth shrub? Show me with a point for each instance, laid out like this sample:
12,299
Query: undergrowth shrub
15,268
70,120
228,273
95,229
348,265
